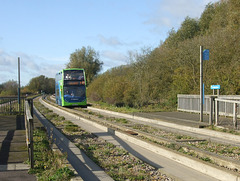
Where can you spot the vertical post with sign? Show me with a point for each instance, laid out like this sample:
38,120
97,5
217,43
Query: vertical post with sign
204,55
201,84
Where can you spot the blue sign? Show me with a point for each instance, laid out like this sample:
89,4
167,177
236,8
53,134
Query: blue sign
206,54
215,86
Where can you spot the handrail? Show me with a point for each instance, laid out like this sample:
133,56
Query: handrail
29,129
227,100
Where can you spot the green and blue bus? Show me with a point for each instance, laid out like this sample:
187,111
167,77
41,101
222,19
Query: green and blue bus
70,87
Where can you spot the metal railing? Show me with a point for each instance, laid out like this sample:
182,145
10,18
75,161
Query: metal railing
29,129
10,105
233,109
191,103
214,106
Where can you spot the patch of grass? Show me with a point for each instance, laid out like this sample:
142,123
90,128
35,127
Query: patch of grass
122,121
127,109
225,130
71,128
51,116
48,164
206,159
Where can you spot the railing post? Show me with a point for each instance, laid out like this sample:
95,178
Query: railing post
235,106
211,110
216,112
10,106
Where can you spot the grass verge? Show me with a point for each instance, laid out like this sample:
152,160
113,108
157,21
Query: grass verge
48,165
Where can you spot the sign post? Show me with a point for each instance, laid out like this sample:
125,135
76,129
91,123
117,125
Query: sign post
204,55
201,84
213,87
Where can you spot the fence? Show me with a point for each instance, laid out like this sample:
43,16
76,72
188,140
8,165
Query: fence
9,105
29,128
222,105
233,108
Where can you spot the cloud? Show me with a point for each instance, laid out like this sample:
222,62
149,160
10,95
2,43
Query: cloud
115,42
7,62
113,59
30,66
112,41
115,56
170,14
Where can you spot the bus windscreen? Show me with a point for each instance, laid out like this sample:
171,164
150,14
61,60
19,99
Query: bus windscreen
73,75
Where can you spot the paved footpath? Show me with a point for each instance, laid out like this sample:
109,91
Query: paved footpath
13,150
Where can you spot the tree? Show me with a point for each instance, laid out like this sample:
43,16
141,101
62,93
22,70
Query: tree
189,28
234,14
42,84
9,88
206,18
88,59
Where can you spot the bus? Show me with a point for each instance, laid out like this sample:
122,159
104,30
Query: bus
70,87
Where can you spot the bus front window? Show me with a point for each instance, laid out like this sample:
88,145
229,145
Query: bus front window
73,75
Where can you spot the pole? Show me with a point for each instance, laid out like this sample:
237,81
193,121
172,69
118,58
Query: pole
19,100
201,84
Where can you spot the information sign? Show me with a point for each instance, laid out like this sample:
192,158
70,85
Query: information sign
215,86
206,54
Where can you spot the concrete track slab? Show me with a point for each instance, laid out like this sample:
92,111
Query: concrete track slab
85,167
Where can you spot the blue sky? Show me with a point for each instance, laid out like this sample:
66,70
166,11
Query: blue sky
43,33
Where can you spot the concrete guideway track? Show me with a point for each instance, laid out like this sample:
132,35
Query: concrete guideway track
85,167
169,163
203,133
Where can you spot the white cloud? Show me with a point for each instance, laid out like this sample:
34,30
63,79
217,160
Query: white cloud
7,62
114,56
112,41
170,13
115,42
113,59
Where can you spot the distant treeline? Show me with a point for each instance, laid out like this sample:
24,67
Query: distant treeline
36,85
8,88
156,76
